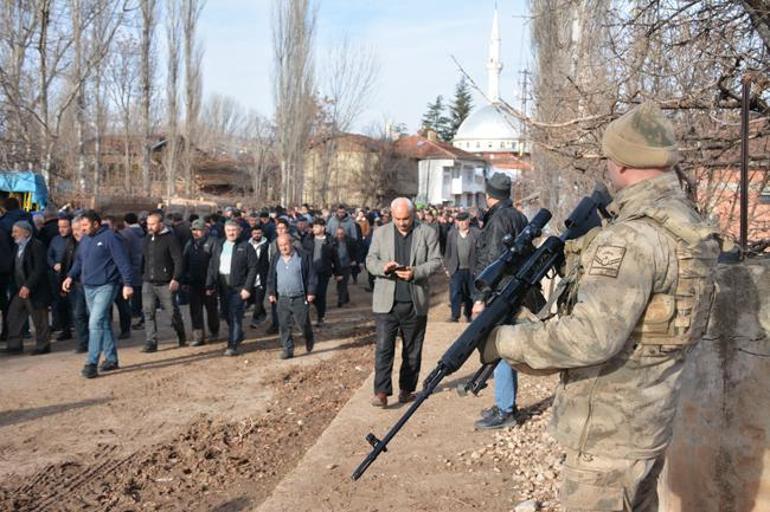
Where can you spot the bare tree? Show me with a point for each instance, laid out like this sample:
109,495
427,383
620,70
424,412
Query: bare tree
173,43
294,78
193,56
123,87
351,74
149,12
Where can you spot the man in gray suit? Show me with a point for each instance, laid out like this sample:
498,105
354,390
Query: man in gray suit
402,256
460,262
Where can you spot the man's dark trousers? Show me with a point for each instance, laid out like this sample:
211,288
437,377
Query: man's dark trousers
298,310
233,309
167,299
343,294
198,301
258,298
460,293
17,318
320,298
77,298
412,327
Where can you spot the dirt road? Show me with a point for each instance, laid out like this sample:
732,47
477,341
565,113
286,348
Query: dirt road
181,429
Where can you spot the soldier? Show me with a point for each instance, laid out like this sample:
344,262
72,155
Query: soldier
637,298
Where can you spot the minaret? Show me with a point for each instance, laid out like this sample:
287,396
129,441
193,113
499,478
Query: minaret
494,66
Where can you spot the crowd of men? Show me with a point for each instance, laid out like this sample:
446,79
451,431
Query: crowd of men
68,270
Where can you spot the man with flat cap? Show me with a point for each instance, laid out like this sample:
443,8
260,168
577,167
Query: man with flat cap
29,271
637,297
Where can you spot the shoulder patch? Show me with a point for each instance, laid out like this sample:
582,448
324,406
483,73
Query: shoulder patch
607,261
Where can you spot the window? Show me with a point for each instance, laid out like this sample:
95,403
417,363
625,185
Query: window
478,145
502,143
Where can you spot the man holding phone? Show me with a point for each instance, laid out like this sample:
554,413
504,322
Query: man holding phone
402,257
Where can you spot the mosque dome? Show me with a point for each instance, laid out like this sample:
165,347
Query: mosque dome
487,129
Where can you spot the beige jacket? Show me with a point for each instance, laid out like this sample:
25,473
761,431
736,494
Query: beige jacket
425,260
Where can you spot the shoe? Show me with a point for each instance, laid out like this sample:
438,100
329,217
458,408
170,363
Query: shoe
499,419
64,336
320,322
39,351
340,304
81,349
380,400
214,336
124,335
404,397
309,346
453,319
468,319
273,329
149,347
109,366
253,324
197,343
286,355
232,351
138,325
89,371
10,350
181,343
488,413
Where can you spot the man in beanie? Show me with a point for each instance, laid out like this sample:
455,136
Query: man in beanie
637,298
500,220
197,255
29,271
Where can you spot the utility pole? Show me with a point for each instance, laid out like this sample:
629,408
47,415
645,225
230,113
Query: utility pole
523,130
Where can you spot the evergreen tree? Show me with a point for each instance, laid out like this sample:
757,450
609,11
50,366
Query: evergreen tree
435,118
460,108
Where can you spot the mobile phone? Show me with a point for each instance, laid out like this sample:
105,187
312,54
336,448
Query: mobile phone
400,267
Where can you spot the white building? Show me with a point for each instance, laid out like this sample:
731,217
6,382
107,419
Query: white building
446,174
489,132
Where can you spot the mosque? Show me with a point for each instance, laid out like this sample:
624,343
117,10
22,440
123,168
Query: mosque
485,143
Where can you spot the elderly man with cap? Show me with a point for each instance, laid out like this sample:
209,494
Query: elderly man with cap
637,298
197,255
500,220
29,271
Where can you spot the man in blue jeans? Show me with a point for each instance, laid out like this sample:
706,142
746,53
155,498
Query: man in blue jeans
101,264
501,219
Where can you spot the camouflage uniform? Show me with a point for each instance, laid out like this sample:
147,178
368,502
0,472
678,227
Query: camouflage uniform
638,296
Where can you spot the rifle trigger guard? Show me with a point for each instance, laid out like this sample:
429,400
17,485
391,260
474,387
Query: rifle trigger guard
372,440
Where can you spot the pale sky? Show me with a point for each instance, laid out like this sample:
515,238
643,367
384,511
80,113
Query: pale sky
412,39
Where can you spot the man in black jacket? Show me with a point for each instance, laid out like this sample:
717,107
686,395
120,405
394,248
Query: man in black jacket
320,246
30,274
163,269
346,249
197,255
61,253
291,284
501,219
261,246
232,271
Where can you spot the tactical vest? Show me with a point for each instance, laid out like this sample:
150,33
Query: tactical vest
681,318
671,320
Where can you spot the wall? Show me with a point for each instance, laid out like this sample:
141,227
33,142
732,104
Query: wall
719,459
